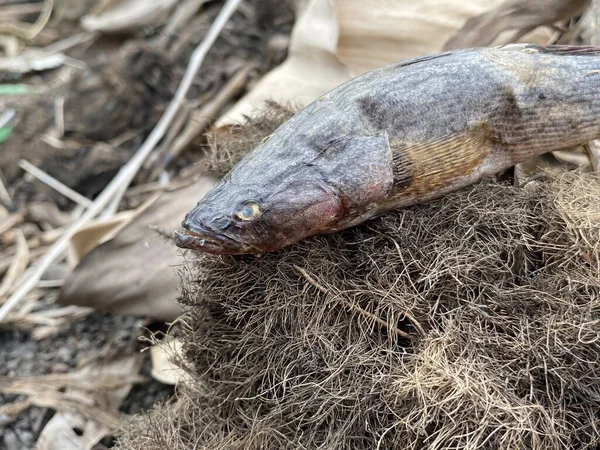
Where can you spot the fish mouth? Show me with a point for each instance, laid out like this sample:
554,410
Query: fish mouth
210,243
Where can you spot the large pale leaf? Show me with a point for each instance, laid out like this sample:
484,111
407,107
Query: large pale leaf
136,271
518,16
374,33
334,40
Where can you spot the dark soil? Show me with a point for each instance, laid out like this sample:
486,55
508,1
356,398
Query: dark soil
21,356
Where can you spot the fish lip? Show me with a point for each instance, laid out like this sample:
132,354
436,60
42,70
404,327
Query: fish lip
204,242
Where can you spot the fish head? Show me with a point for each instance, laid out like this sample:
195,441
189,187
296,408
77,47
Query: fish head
289,188
238,219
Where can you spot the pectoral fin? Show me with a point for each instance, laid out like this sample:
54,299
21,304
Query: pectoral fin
424,167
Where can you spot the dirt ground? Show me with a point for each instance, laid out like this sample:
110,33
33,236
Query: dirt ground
126,85
22,356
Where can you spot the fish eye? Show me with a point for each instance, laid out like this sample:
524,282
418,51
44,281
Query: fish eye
248,211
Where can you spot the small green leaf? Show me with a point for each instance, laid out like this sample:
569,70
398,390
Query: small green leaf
5,134
14,89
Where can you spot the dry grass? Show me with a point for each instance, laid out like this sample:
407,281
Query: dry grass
498,288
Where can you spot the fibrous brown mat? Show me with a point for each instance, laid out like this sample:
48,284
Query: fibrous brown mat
472,322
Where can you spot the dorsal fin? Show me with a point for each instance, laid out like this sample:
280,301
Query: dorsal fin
573,50
421,59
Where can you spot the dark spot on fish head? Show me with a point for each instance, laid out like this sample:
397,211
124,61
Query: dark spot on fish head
376,114
542,96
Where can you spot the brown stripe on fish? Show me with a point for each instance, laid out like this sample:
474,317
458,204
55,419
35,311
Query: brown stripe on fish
433,165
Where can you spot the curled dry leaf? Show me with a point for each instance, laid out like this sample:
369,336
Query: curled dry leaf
521,16
92,235
102,230
128,15
163,356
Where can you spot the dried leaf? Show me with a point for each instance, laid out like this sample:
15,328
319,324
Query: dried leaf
163,355
99,231
518,15
333,42
92,422
136,271
92,235
128,15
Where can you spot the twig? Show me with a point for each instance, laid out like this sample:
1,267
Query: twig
179,122
356,308
179,18
6,116
10,222
6,260
128,172
55,184
70,42
32,31
17,266
49,284
156,186
4,195
59,116
42,20
10,11
202,118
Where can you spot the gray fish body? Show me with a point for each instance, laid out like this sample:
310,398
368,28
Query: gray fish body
404,134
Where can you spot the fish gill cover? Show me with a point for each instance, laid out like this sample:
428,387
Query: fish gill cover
472,322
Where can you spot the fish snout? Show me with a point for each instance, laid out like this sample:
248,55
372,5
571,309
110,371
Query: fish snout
205,232
204,220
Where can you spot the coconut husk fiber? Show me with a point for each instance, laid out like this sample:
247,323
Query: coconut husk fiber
471,322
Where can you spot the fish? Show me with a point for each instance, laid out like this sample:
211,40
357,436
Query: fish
397,136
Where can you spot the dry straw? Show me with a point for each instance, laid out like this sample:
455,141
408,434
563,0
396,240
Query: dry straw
499,288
